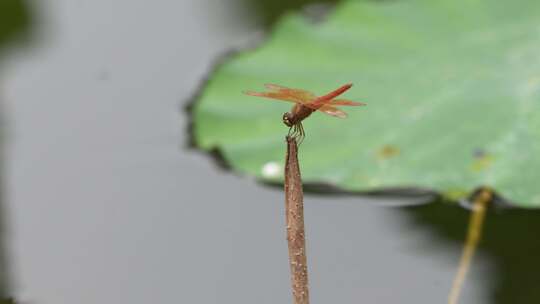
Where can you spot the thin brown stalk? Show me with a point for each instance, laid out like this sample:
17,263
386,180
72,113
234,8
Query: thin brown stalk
294,208
480,203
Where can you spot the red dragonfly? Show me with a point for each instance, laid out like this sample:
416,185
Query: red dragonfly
306,103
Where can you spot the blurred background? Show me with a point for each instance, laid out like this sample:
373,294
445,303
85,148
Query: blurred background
103,202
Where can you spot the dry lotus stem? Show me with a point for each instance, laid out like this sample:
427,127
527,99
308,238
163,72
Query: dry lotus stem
294,206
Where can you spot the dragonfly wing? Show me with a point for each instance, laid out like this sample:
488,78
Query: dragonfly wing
302,96
318,103
272,95
275,87
346,102
332,111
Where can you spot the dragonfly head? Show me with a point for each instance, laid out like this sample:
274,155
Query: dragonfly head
287,119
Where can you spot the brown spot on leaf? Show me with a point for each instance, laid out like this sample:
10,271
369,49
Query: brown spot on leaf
387,151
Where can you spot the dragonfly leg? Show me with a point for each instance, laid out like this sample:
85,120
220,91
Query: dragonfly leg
301,134
291,131
297,131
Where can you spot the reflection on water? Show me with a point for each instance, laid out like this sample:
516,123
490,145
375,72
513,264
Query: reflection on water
510,239
14,21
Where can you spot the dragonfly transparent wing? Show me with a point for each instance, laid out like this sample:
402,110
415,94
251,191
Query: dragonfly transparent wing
301,96
332,111
273,95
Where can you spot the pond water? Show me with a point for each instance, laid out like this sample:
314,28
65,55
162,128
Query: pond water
106,204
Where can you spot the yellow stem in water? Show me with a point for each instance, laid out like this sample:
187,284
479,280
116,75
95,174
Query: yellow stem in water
481,201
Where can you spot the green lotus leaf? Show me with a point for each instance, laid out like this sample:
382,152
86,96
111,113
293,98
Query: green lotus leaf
452,87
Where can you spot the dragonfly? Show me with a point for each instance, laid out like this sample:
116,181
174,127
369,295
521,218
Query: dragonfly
305,104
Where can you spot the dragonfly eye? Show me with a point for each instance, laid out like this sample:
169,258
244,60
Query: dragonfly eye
287,120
